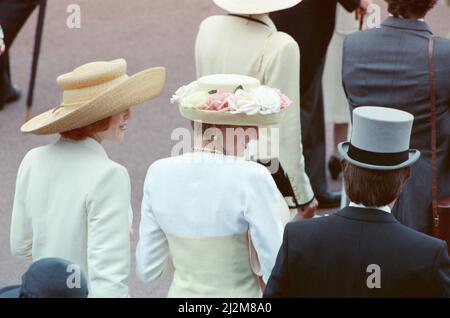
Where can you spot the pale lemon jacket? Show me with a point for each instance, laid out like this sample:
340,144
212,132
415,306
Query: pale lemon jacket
72,202
228,44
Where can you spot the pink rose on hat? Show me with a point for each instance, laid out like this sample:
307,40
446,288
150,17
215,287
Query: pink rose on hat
285,101
218,101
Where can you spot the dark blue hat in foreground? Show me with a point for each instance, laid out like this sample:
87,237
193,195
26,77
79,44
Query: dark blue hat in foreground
50,278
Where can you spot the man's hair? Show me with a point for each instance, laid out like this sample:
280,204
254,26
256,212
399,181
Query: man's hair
373,188
410,8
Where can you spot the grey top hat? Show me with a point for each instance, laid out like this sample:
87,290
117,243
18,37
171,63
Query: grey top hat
380,139
49,278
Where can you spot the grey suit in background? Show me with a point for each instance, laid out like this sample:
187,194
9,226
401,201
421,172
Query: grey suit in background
388,66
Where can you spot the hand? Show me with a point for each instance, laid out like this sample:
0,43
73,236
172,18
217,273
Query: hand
2,42
308,211
364,5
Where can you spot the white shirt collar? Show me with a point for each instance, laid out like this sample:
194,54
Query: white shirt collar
385,208
422,19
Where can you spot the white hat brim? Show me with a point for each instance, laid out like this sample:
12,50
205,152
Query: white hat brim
343,147
137,89
255,6
227,118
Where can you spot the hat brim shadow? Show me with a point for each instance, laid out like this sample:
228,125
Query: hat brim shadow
414,155
135,90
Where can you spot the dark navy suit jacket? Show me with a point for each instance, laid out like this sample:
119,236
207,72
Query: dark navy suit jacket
332,257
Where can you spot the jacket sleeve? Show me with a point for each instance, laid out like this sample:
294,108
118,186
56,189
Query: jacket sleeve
350,5
284,73
344,66
262,212
442,272
108,247
198,58
21,236
152,252
278,285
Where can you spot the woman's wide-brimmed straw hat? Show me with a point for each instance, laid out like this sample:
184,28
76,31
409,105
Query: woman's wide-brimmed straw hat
380,139
255,6
229,99
95,91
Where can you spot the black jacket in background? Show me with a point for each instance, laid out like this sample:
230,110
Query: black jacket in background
329,257
13,15
311,23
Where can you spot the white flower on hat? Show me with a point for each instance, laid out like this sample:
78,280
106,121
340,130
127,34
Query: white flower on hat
183,92
243,102
269,100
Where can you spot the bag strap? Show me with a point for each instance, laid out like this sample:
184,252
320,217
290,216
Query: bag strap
432,80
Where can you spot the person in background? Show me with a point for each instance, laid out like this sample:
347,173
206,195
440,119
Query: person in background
245,41
364,250
50,278
71,200
215,213
13,15
335,102
371,76
311,24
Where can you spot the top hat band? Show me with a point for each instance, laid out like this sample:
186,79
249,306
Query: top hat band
377,158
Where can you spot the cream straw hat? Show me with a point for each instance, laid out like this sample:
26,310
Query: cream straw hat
95,91
231,99
255,6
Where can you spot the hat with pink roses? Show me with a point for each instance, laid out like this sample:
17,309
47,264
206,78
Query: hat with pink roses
230,99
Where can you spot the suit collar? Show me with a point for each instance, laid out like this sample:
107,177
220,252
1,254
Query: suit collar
367,215
263,18
88,143
400,23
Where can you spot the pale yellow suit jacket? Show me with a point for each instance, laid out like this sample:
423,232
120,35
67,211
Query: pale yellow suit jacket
229,44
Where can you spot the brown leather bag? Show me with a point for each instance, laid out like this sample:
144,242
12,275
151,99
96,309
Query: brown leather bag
440,207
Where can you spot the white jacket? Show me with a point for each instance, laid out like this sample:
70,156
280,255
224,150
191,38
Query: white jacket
72,202
228,44
199,208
